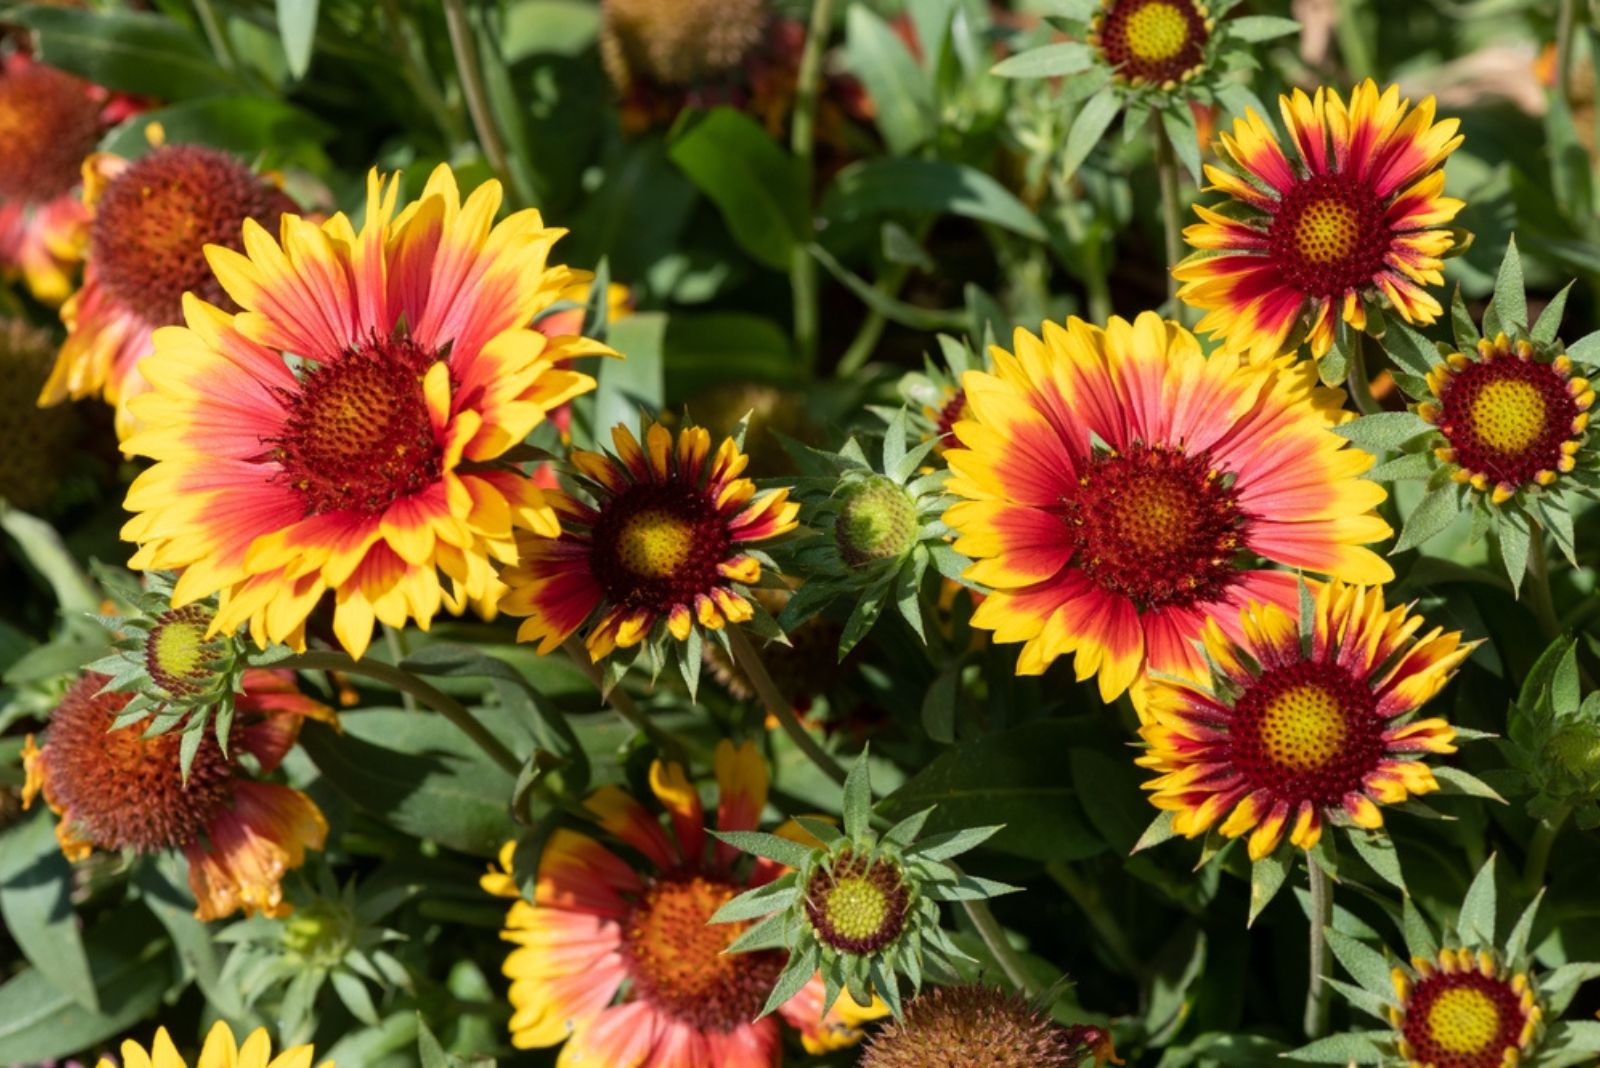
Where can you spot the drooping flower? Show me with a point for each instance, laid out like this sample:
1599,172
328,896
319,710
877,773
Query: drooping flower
1290,732
1122,487
36,446
341,433
116,787
221,1050
662,543
619,962
49,122
150,222
1152,42
969,1025
1356,219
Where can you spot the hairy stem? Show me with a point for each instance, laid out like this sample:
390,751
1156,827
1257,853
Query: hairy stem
1539,846
622,704
1171,212
802,142
1540,597
216,35
778,706
994,937
1356,378
1566,21
470,70
1317,992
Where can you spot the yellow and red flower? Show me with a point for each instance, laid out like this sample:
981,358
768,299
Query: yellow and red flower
621,963
662,542
117,789
221,1050
1510,421
49,122
1285,736
341,432
150,222
1121,486
1464,1009
1358,214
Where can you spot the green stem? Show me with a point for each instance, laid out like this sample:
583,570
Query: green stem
622,704
802,142
470,70
994,936
1566,20
1540,598
1317,993
1539,846
1360,385
415,69
1171,211
1106,925
216,35
407,683
778,706
395,642
866,339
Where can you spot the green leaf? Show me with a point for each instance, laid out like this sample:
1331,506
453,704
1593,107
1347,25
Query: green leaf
858,799
759,843
132,52
1339,1049
1177,124
243,125
1047,61
1432,514
1267,877
1111,797
1476,921
1516,947
1510,300
1383,431
1088,126
36,903
796,974
1379,853
1464,782
1259,27
1586,349
637,381
1548,324
1408,348
1418,935
952,843
428,1049
939,705
755,184
758,903
900,93
1514,535
297,28
165,892
1461,324
1366,965
875,187
1160,830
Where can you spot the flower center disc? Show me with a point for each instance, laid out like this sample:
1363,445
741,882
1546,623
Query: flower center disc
676,960
359,435
1154,41
1506,417
1329,235
48,124
859,905
1307,731
1155,525
153,221
1463,1020
654,544
122,791
658,544
175,653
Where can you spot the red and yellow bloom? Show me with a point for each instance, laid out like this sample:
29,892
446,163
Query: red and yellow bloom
662,542
621,963
341,432
1121,487
116,789
1464,1009
1357,214
1284,737
221,1050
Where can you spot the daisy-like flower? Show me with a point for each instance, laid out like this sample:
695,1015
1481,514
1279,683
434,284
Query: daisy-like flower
1289,734
341,433
1122,487
1463,1009
961,1026
1356,218
221,1050
662,543
620,962
49,122
1152,42
150,222
116,787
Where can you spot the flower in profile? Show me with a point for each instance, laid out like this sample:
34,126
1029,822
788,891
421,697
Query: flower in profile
221,1050
662,541
49,122
1357,220
618,960
151,220
1292,732
343,432
1121,487
1464,1000
118,786
35,446
972,1024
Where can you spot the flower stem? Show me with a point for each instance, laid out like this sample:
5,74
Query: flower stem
623,704
802,142
1317,993
1106,925
1540,598
1171,213
415,69
994,937
1566,19
778,706
1356,378
407,683
216,35
1539,846
470,71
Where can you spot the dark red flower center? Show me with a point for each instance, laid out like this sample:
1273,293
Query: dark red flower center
675,957
1156,525
48,124
123,791
154,220
858,904
1307,731
1328,235
1463,1020
658,544
1506,417
359,435
954,410
1154,41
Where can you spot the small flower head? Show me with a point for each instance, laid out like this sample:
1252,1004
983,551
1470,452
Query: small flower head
857,903
1463,1009
969,1025
1153,42
1553,741
49,121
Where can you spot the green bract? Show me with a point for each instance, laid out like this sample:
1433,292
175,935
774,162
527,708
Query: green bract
1554,741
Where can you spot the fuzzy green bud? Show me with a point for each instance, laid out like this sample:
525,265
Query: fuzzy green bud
877,521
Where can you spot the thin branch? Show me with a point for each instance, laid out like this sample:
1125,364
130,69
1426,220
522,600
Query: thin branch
470,70
778,706
621,702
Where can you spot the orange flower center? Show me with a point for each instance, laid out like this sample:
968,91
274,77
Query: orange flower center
1152,41
676,960
153,221
1306,731
658,544
858,904
48,124
1329,236
1156,526
120,790
1462,1019
359,435
653,544
1507,418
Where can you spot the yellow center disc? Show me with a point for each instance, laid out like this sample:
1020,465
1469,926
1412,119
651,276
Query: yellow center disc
1157,31
1463,1020
1303,728
1508,415
654,544
1327,231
